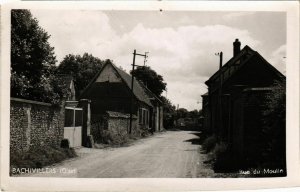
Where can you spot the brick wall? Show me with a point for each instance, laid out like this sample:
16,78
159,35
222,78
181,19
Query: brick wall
34,124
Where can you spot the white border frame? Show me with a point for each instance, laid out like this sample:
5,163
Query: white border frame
165,184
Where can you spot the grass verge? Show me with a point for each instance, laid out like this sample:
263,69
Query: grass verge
40,157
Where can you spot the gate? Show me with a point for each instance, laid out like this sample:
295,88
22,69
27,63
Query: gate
73,126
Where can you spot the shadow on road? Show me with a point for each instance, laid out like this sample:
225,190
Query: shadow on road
184,128
197,140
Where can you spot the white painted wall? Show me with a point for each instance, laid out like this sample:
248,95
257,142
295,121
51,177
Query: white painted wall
73,134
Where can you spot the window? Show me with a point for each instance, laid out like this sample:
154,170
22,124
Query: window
69,117
140,116
143,116
147,117
73,117
78,118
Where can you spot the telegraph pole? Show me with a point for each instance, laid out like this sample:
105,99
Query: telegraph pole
177,113
220,90
145,58
132,79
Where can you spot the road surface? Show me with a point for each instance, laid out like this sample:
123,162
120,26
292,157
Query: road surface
171,154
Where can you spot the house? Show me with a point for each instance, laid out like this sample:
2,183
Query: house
110,91
156,119
233,106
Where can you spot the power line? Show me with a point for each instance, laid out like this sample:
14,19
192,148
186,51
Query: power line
132,79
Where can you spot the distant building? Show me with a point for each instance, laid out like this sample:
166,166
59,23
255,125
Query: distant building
67,83
233,106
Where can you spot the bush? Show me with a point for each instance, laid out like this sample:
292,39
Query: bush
65,143
120,139
70,152
209,143
90,141
144,132
224,160
107,137
220,149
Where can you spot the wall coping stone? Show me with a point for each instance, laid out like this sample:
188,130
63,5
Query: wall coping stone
30,101
114,114
259,89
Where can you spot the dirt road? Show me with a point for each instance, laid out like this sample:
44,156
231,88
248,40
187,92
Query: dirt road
168,154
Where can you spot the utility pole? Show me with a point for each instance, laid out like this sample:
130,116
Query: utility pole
132,79
220,90
145,58
177,113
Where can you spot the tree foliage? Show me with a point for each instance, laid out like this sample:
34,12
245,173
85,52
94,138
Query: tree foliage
182,113
193,114
169,112
150,78
32,59
81,68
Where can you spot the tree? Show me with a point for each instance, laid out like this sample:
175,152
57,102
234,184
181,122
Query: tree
182,113
150,78
32,59
193,114
169,112
81,68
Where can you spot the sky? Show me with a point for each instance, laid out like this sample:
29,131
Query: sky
181,44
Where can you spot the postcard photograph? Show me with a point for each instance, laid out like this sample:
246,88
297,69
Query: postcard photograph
147,94
113,94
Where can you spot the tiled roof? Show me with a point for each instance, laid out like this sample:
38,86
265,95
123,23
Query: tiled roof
138,90
245,52
150,94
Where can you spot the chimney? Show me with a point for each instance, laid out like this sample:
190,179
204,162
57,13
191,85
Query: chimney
236,47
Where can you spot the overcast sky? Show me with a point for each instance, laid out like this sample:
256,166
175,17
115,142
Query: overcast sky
182,45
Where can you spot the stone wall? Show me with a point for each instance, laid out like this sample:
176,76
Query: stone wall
34,124
115,124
